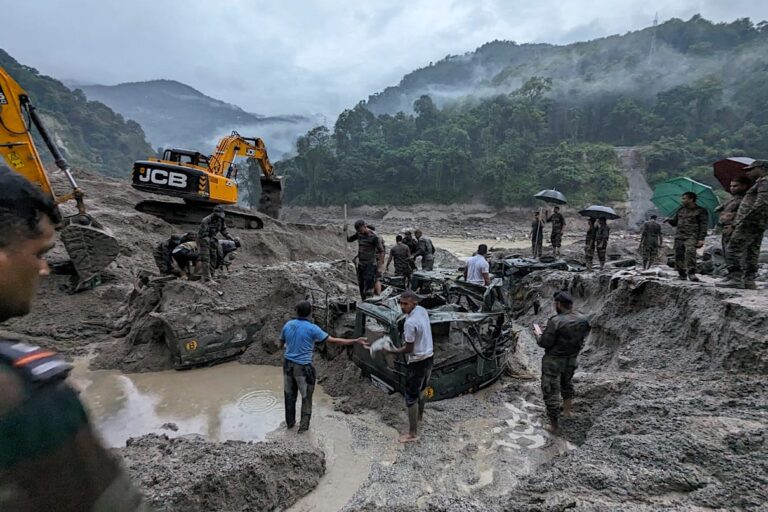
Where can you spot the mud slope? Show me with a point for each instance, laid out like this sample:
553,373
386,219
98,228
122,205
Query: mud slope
672,402
186,474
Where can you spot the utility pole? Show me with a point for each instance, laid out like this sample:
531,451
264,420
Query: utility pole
653,37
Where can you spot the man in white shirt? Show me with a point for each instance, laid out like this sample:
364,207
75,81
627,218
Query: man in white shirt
477,269
417,334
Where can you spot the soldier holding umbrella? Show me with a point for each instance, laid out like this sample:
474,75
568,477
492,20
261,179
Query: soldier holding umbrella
557,219
597,235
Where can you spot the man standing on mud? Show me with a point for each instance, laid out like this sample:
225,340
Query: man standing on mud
299,337
729,209
368,255
413,246
418,349
50,457
537,235
562,340
751,222
691,222
650,241
207,242
426,250
589,249
602,234
401,254
558,224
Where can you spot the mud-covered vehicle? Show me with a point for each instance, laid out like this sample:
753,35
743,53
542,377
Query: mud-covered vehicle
470,347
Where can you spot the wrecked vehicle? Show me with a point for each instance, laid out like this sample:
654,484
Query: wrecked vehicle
470,347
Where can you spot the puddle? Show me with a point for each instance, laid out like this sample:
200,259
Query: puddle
228,401
524,429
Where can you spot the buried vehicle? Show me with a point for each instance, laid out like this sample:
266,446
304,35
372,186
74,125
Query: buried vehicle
470,348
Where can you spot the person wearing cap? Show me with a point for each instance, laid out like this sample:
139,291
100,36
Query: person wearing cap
590,243
537,235
208,242
729,209
419,352
602,234
558,225
413,246
562,340
425,249
369,253
650,241
401,256
51,457
743,249
691,221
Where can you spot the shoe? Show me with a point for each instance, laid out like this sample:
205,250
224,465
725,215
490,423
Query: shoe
731,281
750,285
692,277
682,277
567,406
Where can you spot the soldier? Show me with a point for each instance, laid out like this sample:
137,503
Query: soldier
602,233
558,224
207,242
50,456
749,227
691,222
162,254
650,241
413,246
368,254
228,252
186,255
426,250
589,250
728,210
401,254
562,340
537,235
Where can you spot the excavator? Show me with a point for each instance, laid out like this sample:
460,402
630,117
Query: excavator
91,246
204,182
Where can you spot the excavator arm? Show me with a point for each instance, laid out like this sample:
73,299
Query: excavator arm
90,246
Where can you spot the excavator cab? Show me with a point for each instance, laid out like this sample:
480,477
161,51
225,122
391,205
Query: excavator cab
90,245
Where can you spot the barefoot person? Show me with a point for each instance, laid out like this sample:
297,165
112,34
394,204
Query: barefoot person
562,340
299,337
417,334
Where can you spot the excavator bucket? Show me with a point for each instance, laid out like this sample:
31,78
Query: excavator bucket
271,199
90,246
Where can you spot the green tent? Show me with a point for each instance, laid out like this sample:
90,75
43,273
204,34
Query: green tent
666,197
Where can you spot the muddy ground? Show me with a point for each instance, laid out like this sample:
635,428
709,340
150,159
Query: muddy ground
671,410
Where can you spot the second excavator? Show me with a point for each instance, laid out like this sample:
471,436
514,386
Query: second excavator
204,182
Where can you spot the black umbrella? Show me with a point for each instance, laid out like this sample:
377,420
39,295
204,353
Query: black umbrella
599,212
551,196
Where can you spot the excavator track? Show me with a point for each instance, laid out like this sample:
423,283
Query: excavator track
191,214
91,246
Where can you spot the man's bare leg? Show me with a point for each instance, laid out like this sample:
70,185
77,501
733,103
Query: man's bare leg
413,425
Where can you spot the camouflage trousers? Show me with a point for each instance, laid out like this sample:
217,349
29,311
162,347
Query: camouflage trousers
649,254
589,253
556,239
743,251
163,259
685,255
537,246
556,382
602,247
209,255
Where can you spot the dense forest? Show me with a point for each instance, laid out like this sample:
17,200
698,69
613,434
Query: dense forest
89,133
696,93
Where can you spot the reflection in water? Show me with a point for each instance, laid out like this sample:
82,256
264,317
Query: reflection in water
228,401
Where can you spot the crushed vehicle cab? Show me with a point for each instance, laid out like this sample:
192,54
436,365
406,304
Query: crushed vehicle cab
470,347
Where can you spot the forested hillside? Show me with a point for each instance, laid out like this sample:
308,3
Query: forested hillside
546,116
90,133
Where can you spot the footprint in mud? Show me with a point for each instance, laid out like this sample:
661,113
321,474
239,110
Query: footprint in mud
257,402
523,429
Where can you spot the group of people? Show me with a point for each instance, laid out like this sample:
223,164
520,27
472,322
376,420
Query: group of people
200,253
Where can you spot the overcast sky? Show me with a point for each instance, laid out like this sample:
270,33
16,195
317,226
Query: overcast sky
305,56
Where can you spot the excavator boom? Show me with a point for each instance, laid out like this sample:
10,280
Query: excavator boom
90,245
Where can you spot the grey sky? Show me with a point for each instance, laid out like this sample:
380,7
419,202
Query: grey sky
305,56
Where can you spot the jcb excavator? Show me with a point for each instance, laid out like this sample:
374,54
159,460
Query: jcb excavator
206,181
90,245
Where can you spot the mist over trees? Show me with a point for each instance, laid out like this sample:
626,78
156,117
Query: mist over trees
702,96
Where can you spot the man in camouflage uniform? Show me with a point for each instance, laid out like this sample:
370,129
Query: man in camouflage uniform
728,210
589,249
602,233
562,340
402,257
369,249
558,224
691,221
650,241
426,250
749,227
413,246
162,254
50,456
207,242
537,235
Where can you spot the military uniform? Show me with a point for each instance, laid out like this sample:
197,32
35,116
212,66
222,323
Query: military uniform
537,238
589,249
562,341
691,226
728,213
750,225
162,254
369,247
558,223
427,252
208,244
50,458
401,256
650,241
602,233
413,246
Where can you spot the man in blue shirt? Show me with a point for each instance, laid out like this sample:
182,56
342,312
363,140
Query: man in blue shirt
299,337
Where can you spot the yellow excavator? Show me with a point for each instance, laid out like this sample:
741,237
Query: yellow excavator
90,245
204,182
